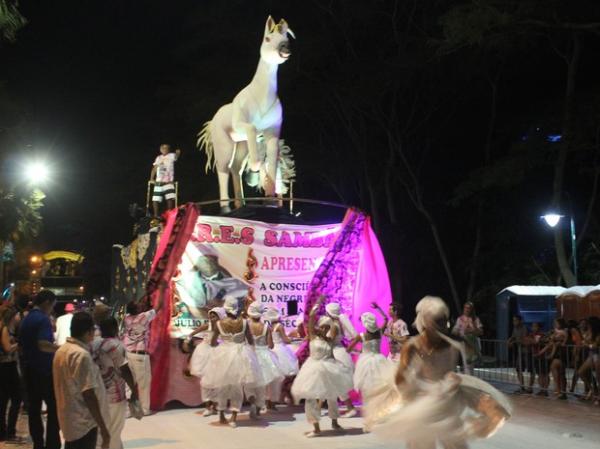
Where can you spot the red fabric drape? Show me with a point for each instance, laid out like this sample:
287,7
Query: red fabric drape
176,234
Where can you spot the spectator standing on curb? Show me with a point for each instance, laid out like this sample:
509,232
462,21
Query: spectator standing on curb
135,339
468,327
540,364
110,356
10,384
80,392
36,338
520,344
63,325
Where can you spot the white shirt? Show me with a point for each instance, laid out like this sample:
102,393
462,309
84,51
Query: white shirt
75,372
63,328
165,167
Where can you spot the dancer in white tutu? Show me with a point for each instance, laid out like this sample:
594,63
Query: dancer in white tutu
288,361
372,366
322,377
267,359
233,368
344,329
201,356
425,402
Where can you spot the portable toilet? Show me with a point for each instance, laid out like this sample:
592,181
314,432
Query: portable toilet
535,303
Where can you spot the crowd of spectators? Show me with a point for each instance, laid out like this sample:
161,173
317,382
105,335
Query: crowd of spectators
567,354
74,370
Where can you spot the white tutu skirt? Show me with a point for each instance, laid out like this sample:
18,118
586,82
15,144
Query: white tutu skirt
371,371
269,365
200,358
288,362
342,356
324,378
232,364
450,410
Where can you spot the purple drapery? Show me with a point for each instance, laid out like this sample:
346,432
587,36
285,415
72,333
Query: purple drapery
353,273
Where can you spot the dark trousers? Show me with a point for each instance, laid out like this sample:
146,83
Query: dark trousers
10,390
40,388
86,442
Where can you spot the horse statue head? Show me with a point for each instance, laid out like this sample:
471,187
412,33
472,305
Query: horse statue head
275,48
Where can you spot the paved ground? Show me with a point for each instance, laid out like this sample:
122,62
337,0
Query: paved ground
538,423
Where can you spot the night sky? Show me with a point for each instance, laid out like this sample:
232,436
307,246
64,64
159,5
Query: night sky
97,86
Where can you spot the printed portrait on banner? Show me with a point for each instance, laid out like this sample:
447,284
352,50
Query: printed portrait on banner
271,263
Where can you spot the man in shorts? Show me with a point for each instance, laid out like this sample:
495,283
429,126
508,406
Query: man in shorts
163,177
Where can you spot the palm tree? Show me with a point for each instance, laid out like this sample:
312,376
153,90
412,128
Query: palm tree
11,19
20,218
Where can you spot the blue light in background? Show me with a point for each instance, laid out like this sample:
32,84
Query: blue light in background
554,138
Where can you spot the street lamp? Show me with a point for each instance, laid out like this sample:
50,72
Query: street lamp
37,172
552,220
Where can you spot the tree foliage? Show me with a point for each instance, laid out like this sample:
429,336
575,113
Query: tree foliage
11,19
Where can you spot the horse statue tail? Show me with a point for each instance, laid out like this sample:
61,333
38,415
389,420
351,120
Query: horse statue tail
205,142
286,168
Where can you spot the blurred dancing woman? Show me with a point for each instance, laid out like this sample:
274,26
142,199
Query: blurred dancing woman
201,356
233,369
267,359
372,366
425,402
322,377
344,329
288,362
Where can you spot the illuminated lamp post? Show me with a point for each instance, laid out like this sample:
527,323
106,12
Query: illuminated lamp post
552,220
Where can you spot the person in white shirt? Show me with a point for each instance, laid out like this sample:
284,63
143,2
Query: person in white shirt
163,177
80,393
63,325
396,332
135,339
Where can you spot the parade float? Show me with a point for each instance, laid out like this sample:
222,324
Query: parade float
279,250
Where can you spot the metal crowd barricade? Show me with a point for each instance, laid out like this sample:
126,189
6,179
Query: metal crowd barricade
502,363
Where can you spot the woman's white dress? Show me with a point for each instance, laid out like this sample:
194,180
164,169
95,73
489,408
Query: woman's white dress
202,352
288,362
233,364
267,359
372,367
340,353
321,376
433,404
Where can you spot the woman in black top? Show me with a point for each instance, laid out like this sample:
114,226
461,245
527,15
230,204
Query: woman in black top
10,388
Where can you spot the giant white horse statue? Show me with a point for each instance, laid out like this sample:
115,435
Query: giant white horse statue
245,133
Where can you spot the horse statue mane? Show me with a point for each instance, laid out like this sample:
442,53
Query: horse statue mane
243,136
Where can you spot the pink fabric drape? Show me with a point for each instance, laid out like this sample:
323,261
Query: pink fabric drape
353,273
176,234
372,280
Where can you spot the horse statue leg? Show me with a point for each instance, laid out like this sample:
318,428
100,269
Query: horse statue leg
271,161
224,191
223,151
237,168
